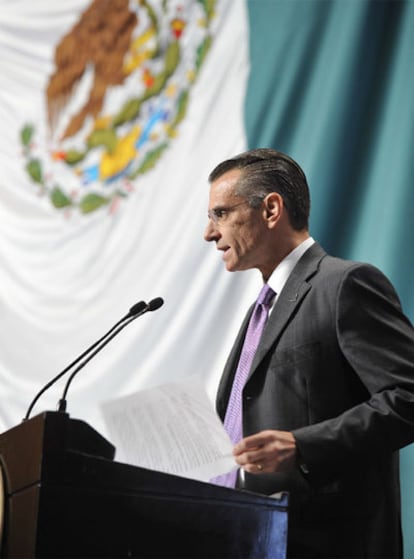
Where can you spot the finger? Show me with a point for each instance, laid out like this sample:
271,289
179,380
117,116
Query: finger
248,458
246,445
255,467
253,441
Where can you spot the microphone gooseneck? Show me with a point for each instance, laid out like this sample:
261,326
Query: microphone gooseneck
136,310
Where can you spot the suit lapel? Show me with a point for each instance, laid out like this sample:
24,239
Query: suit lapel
295,289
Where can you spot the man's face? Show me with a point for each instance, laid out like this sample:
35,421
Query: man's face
238,230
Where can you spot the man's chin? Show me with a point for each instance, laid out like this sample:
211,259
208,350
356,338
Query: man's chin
230,266
233,267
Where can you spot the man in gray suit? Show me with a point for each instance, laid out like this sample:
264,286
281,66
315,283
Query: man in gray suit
329,397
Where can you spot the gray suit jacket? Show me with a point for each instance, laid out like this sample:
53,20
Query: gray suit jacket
336,367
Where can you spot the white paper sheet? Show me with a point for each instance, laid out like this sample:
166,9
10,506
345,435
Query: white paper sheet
171,428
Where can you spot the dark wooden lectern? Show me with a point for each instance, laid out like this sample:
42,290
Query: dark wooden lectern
65,497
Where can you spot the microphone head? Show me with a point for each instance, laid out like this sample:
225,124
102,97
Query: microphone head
155,304
137,308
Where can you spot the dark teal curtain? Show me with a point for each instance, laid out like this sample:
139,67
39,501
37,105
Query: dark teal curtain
332,84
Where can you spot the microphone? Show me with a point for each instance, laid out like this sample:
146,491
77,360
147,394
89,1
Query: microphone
133,312
153,305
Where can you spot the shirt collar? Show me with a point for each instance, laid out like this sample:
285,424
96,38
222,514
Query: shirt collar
282,271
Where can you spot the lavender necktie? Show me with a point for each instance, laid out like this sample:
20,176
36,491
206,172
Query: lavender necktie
233,418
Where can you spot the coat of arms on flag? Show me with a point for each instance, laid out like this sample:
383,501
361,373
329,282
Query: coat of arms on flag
119,89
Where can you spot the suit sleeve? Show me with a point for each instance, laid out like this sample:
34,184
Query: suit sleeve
377,340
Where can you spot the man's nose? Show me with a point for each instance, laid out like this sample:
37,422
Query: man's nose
210,232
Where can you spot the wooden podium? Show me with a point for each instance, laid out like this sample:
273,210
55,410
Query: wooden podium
65,497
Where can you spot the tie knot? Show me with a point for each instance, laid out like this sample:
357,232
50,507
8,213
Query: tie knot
266,295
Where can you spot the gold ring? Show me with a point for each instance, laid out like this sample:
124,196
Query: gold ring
259,467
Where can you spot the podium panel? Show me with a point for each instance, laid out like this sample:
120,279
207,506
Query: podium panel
65,497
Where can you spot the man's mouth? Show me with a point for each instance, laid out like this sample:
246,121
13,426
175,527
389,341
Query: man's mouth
224,250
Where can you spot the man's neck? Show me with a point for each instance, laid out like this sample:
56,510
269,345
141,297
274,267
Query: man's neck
295,239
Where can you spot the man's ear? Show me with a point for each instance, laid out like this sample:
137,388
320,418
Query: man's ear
273,208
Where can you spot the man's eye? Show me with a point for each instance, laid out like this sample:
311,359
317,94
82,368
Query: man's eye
220,213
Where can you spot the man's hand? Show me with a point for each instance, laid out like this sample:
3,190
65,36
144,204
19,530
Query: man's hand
267,452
